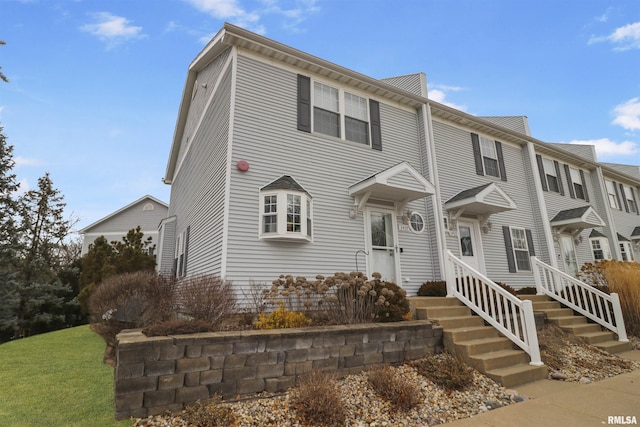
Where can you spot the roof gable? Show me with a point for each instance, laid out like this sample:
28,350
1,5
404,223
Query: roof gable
141,202
482,200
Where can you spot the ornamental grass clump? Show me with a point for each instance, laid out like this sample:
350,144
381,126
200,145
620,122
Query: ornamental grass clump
445,370
623,278
392,386
317,400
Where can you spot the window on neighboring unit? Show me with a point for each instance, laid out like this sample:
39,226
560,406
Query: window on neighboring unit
612,194
630,198
551,175
338,112
285,214
520,248
626,251
147,207
600,248
488,157
576,180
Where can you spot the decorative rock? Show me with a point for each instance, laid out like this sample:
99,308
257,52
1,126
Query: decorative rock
585,380
558,376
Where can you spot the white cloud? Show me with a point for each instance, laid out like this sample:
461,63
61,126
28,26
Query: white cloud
230,10
23,187
24,161
112,29
295,12
607,148
624,38
628,114
438,93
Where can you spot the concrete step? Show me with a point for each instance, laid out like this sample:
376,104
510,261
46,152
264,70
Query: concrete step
581,329
568,320
441,312
498,359
470,333
433,302
460,322
483,345
597,337
516,375
558,312
614,347
545,305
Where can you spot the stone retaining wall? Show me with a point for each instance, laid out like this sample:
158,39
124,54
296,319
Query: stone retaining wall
156,374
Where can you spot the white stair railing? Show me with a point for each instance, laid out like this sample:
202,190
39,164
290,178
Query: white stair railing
502,310
579,296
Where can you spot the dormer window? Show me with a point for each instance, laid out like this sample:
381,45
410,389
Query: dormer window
285,211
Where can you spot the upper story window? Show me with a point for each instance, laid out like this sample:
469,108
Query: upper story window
612,194
577,184
338,112
285,211
551,175
488,157
630,199
549,171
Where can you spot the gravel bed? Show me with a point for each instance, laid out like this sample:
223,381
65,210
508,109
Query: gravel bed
582,363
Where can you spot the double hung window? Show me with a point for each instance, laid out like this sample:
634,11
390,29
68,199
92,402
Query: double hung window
488,157
577,182
551,175
630,199
328,117
626,251
520,248
612,194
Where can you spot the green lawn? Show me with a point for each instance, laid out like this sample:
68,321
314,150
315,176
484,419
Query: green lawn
56,379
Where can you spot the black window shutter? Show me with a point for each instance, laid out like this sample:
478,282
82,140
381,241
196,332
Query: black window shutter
584,186
543,176
503,170
186,250
567,172
559,178
477,154
304,103
624,198
506,232
376,133
532,251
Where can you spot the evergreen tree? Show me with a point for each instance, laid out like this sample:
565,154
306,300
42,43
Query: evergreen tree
2,76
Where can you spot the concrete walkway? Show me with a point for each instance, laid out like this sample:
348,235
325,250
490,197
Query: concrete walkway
567,404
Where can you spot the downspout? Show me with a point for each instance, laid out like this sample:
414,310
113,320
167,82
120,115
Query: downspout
542,205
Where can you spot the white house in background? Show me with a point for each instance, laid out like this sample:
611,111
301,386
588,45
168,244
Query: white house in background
283,162
146,212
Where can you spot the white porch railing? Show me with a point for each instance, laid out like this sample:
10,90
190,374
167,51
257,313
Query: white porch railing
502,310
586,300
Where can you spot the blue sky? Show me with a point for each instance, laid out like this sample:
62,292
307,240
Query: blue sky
95,85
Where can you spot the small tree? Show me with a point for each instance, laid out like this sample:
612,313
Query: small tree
2,76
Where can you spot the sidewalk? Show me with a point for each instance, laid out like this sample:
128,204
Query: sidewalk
556,403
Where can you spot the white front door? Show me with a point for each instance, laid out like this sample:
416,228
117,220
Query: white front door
568,254
382,244
471,244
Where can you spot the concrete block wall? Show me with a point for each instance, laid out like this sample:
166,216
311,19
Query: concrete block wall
156,374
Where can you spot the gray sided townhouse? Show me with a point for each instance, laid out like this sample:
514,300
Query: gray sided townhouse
284,163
